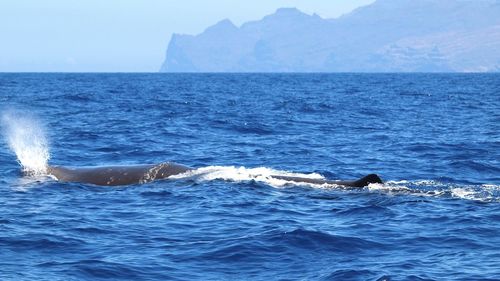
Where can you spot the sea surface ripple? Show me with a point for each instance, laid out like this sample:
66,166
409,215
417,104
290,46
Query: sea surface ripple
435,139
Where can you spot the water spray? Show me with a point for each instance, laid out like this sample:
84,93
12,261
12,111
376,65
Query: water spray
26,138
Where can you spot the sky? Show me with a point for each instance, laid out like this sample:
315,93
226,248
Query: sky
122,35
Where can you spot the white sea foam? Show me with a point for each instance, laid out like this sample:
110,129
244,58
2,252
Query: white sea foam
421,188
461,192
241,174
26,138
432,188
387,187
482,193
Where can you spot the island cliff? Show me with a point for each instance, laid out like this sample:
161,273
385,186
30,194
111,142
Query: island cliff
386,36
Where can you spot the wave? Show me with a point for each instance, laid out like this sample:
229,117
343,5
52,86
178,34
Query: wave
425,188
26,138
243,174
431,188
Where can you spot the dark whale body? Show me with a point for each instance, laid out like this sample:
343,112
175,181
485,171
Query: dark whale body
137,174
362,182
117,175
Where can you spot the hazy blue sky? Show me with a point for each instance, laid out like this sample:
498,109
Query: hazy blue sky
121,35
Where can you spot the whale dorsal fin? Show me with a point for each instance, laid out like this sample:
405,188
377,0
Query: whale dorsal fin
364,181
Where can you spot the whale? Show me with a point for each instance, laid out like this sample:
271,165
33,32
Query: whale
362,182
117,175
139,174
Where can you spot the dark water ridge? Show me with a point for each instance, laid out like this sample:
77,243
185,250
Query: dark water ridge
433,137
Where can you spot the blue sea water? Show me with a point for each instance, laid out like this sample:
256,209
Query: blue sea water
434,139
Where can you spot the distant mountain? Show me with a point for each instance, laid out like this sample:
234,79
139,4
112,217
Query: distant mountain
386,36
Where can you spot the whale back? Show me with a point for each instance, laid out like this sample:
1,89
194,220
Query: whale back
362,182
117,175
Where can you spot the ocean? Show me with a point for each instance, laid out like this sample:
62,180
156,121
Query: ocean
433,138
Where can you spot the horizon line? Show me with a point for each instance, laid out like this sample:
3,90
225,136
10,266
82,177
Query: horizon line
240,73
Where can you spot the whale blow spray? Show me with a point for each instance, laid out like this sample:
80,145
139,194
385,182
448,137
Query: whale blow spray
26,137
